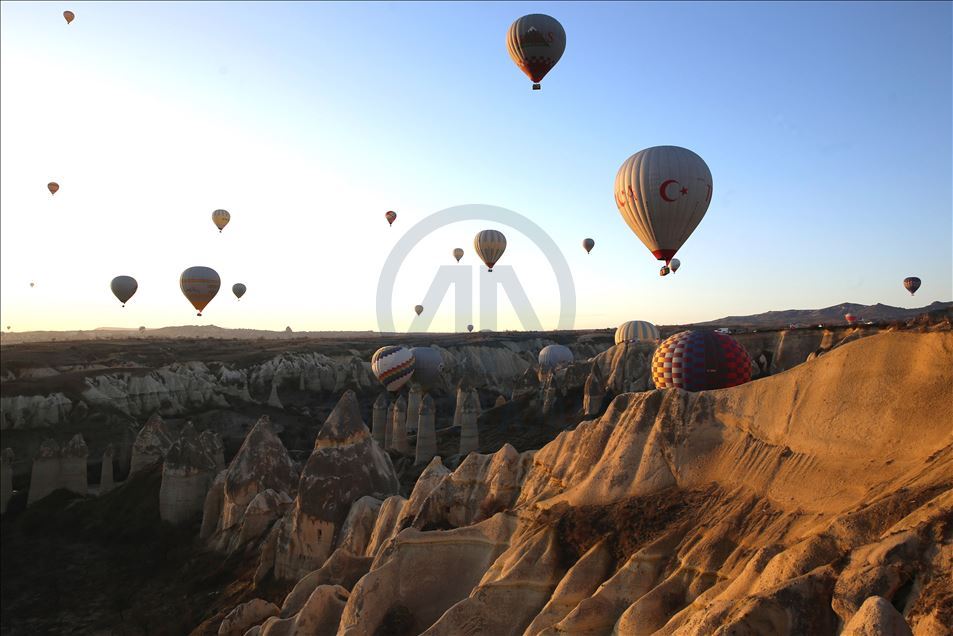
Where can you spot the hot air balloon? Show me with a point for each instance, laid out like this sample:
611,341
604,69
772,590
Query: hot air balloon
200,284
69,15
141,329
700,360
391,216
470,328
489,246
221,218
662,193
123,288
52,186
553,356
32,284
428,363
588,244
419,309
850,318
675,264
665,271
458,253
912,284
393,365
636,331
536,42
239,290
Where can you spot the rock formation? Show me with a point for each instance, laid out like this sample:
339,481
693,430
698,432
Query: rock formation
261,465
469,436
246,615
461,398
273,399
151,445
106,472
345,465
214,447
594,393
45,477
6,479
426,435
500,401
413,407
380,421
187,473
399,441
73,476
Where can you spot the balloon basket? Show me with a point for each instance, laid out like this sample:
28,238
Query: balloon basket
536,87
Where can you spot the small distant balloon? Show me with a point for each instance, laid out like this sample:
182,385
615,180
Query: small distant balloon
536,42
419,309
123,288
239,290
470,328
489,246
391,216
69,15
588,244
53,186
32,284
850,318
221,218
141,329
458,254
675,264
911,284
199,285
665,271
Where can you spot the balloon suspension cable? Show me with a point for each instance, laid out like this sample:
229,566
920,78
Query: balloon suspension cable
536,87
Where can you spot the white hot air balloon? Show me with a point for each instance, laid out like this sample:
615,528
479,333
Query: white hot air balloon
662,193
553,356
199,285
636,331
489,246
394,366
123,287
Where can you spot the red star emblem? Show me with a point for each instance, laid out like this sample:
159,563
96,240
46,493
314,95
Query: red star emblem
684,190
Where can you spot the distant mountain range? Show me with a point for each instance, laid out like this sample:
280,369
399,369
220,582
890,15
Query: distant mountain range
826,316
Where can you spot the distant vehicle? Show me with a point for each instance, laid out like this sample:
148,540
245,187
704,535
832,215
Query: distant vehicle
723,330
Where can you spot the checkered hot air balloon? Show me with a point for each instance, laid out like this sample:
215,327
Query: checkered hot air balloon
699,361
394,366
536,42
636,331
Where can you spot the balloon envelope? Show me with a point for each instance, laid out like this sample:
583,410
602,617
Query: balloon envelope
391,216
52,186
850,318
700,360
393,365
123,287
428,363
588,244
675,264
536,42
662,194
199,285
553,356
419,309
221,218
239,290
489,246
69,15
458,254
470,328
636,331
911,284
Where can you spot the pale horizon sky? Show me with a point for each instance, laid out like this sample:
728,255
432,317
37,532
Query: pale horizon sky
828,129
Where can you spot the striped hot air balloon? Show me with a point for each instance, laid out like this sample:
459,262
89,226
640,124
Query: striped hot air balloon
536,42
221,218
662,193
554,356
393,365
123,288
199,285
636,331
699,361
911,284
489,246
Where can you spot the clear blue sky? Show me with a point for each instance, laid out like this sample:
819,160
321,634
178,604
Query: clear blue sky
827,128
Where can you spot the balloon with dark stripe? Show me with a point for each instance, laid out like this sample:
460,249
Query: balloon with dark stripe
699,361
393,365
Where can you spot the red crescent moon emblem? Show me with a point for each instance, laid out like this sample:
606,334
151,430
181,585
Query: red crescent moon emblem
662,188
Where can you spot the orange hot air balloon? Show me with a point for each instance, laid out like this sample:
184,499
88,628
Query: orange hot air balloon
69,15
391,216
53,186
199,285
